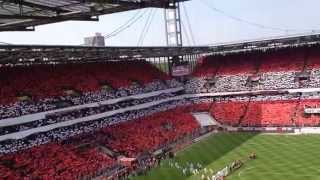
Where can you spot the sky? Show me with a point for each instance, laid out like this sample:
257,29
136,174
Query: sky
212,21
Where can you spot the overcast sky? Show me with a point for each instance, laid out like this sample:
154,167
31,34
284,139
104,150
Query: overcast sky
266,18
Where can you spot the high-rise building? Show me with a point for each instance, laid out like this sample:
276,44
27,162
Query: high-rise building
97,40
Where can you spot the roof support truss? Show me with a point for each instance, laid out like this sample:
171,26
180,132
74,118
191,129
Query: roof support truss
37,6
53,18
20,14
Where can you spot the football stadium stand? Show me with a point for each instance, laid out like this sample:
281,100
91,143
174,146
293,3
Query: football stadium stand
76,120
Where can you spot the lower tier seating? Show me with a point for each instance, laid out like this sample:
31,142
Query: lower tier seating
53,161
68,160
307,120
150,133
278,113
228,112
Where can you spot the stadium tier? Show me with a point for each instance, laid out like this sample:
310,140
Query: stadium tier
65,160
150,133
271,69
48,87
290,59
54,161
45,81
79,121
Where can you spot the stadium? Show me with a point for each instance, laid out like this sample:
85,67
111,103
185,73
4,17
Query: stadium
243,110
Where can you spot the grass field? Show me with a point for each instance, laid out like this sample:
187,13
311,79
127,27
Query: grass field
279,157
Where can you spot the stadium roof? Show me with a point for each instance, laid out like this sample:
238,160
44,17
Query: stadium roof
24,15
40,53
43,53
267,43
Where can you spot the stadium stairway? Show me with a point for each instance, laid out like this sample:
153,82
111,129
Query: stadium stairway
105,150
257,65
296,111
245,112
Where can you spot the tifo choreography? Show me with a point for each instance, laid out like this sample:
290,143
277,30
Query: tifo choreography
137,133
154,112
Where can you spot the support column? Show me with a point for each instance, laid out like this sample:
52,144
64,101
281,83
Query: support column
173,25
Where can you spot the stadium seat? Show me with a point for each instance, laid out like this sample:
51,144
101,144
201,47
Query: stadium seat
44,81
150,133
53,161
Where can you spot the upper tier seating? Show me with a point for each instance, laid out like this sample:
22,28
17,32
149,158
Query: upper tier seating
49,86
313,58
225,65
43,81
273,69
290,59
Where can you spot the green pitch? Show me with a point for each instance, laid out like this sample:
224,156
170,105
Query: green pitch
279,157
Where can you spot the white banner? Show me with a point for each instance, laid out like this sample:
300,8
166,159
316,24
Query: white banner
181,70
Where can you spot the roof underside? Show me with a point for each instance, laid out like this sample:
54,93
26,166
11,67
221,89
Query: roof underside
20,54
24,15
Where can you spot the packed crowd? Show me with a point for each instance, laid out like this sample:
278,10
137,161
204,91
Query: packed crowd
256,110
264,111
21,108
84,127
274,69
49,87
130,138
151,132
52,80
54,161
79,113
153,128
56,153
